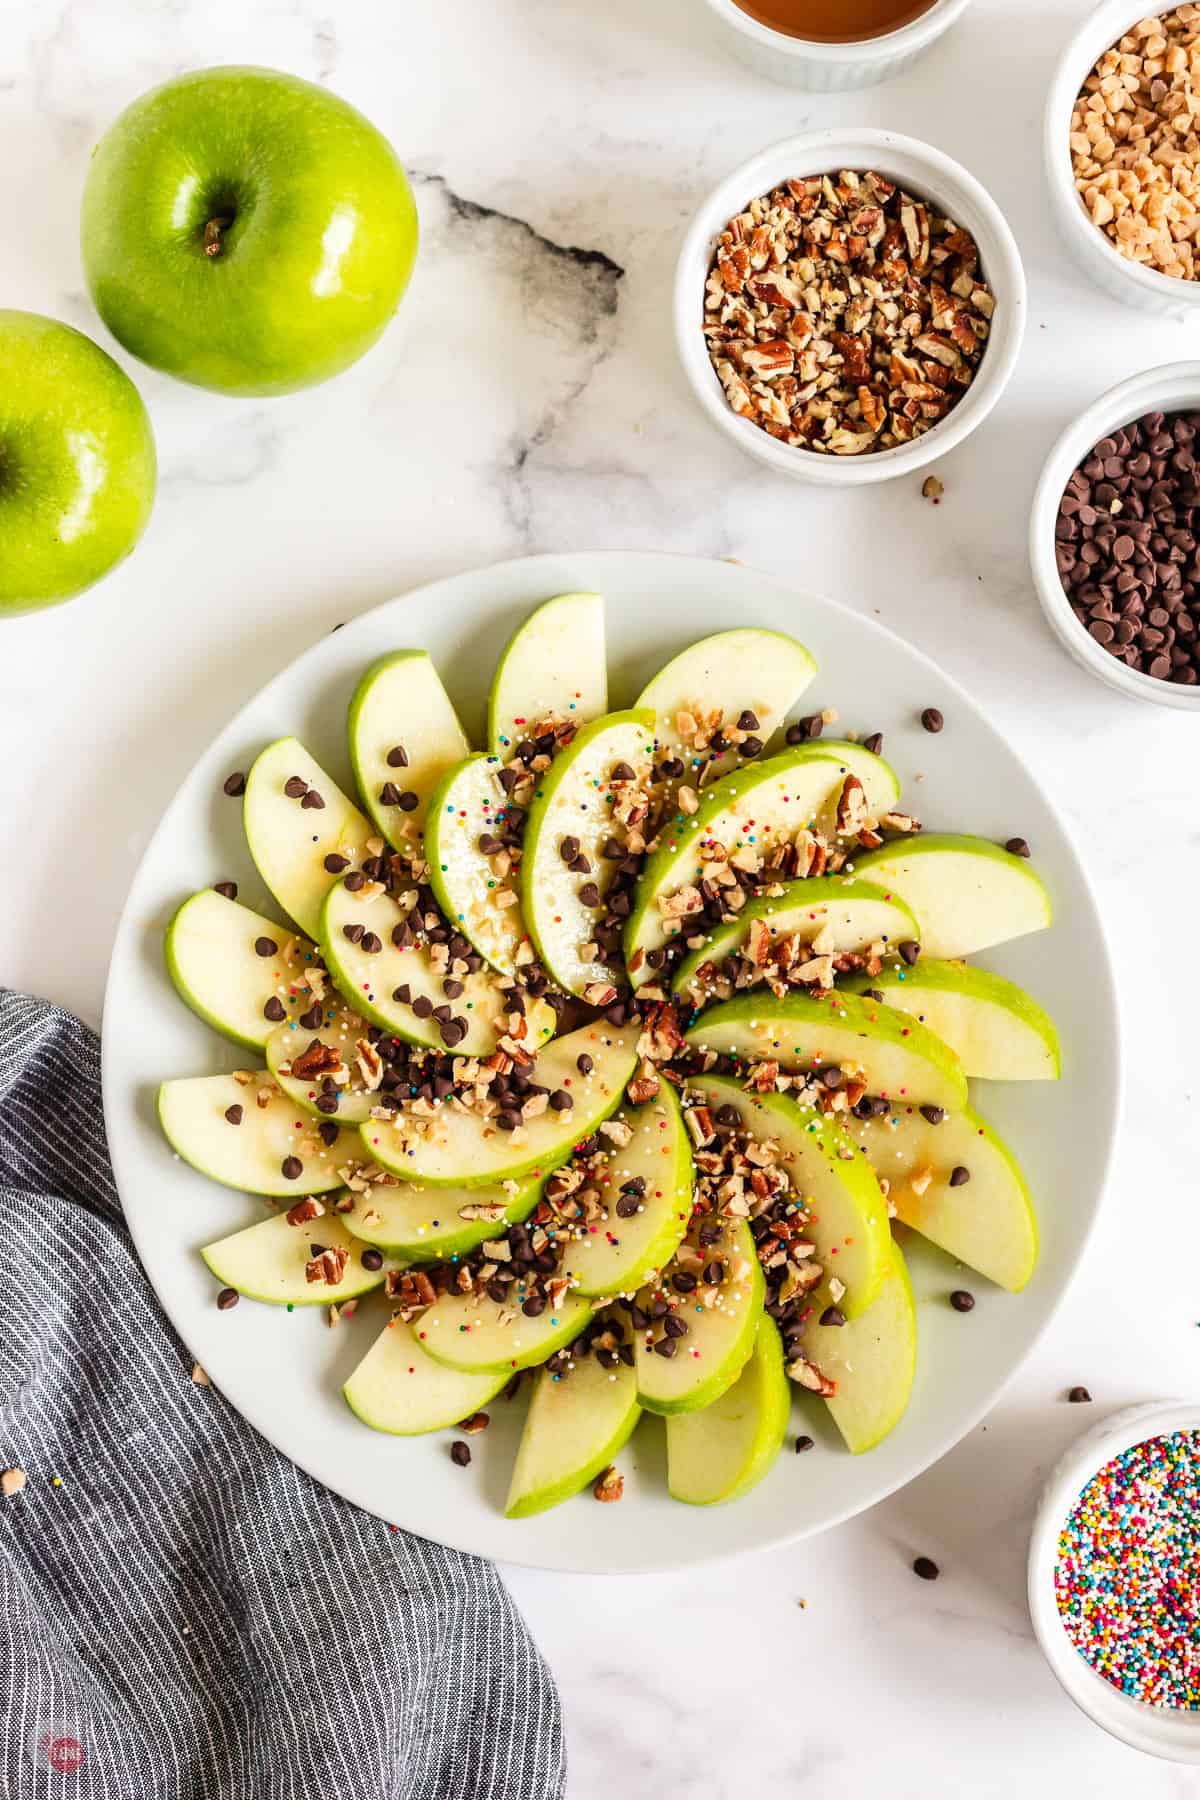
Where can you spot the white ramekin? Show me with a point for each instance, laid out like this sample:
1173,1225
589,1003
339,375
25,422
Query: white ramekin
1172,1735
1175,387
1130,282
930,175
830,68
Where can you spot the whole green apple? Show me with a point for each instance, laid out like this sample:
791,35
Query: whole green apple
77,465
246,231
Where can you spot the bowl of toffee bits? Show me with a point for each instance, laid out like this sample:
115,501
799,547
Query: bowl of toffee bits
1115,537
848,306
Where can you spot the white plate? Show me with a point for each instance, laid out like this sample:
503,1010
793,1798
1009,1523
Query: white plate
284,1371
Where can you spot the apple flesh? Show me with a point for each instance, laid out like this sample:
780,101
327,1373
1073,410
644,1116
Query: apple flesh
427,1224
576,1426
719,1339
400,709
269,1262
250,1152
871,1359
471,1332
554,666
290,841
339,1030
211,958
967,892
246,231
722,1452
479,901
997,1030
77,463
732,672
397,1388
620,1253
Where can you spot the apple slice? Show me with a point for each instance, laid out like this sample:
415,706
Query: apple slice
620,1253
428,1224
967,892
553,667
214,959
290,840
720,1337
855,914
577,1424
404,734
849,1215
997,1030
756,809
899,1058
216,1123
721,677
574,801
471,1332
721,1453
987,1220
385,985
872,1360
485,906
340,1031
270,1261
399,1389
463,1149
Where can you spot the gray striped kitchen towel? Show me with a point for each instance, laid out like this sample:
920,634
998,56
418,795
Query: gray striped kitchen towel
182,1612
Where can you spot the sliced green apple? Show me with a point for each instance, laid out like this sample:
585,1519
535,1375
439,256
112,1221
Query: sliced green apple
997,1030
898,1057
553,667
463,1149
849,1215
757,808
342,1033
404,734
217,956
725,1450
985,1220
372,979
478,892
967,892
430,1224
469,1331
847,915
270,1261
289,839
871,1360
216,1123
399,1389
577,1424
574,800
721,677
720,1336
618,1253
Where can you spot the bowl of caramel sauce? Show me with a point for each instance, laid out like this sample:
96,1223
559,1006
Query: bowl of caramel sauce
832,45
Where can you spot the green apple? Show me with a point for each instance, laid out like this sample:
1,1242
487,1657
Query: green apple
269,1262
899,1058
986,1221
967,892
849,1222
553,667
399,1389
432,1224
997,1030
215,1123
77,464
721,1453
871,1360
340,1030
289,840
757,807
478,891
464,1149
574,799
618,1254
852,915
471,1332
246,231
404,735
211,953
577,1424
719,1337
721,677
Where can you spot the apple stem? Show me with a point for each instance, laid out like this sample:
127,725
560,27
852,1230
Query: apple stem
212,235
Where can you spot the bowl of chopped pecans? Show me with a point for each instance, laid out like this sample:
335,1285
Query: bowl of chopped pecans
849,305
1122,151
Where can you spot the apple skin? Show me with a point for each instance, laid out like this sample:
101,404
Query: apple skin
313,264
77,463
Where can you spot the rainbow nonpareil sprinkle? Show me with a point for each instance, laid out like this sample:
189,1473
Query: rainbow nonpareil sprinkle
1127,1578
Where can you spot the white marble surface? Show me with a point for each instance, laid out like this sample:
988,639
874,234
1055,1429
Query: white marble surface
528,399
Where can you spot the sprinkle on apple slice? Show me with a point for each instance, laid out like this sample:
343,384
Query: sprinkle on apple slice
423,1224
579,1420
240,972
715,1322
472,872
398,1388
241,1130
869,1361
404,735
741,683
553,667
315,1263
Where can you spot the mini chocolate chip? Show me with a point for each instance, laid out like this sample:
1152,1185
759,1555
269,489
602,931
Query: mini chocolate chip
584,1064
372,1259
569,849
1079,1396
402,994
959,1176
627,1205
265,946
932,719
747,721
354,881
1017,847
909,951
371,944
832,1316
389,794
353,933
460,1453
934,1114
926,1568
750,746
453,990
312,1018
961,1300
335,863
312,801
408,801
535,1306
714,1273
275,1010
561,1101
234,784
804,729
328,1134
291,1168
674,1326
234,1113
295,788
589,894
328,1103
397,757
666,1346
803,1443
226,889
227,1297
874,743
422,1006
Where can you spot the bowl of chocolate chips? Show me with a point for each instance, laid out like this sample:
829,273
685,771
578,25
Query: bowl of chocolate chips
1115,537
